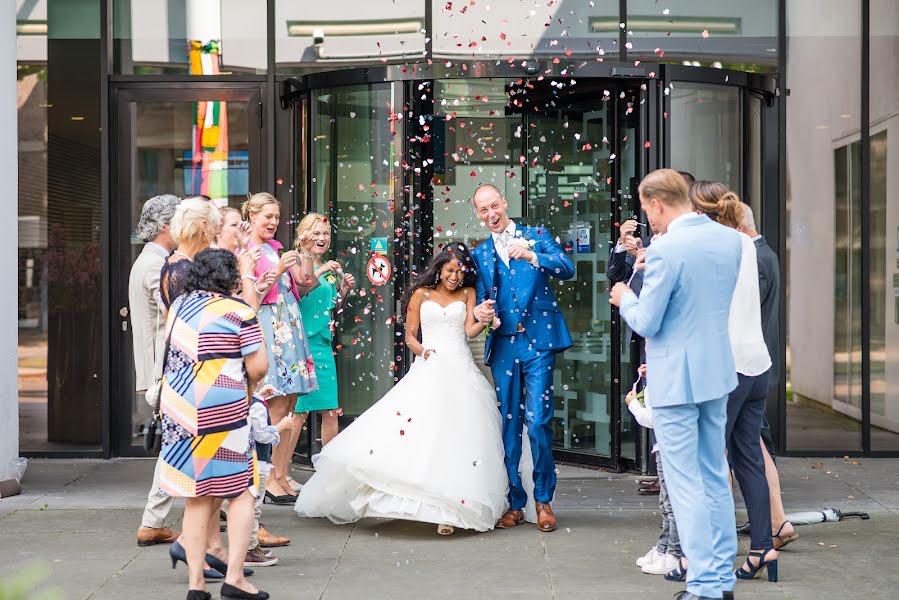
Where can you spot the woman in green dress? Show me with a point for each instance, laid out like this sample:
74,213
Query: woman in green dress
317,310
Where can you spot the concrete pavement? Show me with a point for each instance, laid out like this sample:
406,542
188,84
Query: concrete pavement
77,518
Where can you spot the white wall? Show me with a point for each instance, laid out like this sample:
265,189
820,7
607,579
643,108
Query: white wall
9,394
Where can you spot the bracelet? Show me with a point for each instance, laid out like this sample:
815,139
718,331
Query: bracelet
250,277
258,291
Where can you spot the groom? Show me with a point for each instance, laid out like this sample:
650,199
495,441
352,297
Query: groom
514,265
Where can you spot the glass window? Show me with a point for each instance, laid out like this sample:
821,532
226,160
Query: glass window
340,34
509,28
706,132
731,34
60,223
355,179
884,122
823,176
197,37
475,142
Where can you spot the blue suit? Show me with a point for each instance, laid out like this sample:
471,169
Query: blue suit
682,311
525,359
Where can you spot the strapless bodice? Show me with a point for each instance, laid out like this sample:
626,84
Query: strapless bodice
443,327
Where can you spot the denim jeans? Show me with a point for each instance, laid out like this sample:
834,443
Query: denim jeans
669,541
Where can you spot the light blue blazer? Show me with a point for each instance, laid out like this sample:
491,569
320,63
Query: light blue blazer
682,311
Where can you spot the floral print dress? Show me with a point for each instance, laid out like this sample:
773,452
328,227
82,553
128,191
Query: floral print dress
291,369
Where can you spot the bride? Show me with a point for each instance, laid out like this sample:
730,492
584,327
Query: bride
431,449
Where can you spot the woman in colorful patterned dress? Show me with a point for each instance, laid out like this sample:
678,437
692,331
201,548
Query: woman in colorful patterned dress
313,242
214,353
291,368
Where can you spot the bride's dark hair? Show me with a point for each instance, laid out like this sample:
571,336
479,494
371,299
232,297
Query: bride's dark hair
431,275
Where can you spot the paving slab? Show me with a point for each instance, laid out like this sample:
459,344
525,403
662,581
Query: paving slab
78,519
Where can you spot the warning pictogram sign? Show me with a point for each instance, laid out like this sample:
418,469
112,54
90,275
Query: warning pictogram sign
379,269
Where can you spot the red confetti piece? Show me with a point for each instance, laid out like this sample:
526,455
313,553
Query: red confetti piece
647,144
280,181
402,432
473,174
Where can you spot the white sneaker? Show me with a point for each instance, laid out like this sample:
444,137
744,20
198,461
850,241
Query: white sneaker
648,557
661,565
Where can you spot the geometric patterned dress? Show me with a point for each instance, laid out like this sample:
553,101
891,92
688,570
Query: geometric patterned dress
206,448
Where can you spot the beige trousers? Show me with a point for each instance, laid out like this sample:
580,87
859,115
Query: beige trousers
158,504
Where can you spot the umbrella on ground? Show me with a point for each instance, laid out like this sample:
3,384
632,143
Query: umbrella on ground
822,516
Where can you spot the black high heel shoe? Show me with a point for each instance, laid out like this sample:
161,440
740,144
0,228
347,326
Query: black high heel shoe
284,500
198,595
220,565
235,593
176,553
754,570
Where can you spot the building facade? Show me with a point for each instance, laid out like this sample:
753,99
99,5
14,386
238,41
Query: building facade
386,115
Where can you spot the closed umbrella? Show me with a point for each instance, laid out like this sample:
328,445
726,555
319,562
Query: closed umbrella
821,516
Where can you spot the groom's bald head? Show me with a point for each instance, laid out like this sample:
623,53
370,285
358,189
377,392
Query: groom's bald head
491,206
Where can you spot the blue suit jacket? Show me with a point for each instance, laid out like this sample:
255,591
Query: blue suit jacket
527,297
691,272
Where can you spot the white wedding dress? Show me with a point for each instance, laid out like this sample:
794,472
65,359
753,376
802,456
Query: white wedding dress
430,450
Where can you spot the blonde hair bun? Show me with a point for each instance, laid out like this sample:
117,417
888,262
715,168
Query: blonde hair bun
195,217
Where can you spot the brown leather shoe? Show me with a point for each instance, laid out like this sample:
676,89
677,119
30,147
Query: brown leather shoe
510,519
149,536
546,520
268,540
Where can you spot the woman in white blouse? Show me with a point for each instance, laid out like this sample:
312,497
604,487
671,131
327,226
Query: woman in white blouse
746,404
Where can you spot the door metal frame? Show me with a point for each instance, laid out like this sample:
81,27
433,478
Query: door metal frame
653,125
121,221
772,220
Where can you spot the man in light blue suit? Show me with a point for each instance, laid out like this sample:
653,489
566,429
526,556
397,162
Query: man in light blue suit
682,311
514,268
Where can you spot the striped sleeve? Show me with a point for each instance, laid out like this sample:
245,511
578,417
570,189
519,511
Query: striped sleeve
250,333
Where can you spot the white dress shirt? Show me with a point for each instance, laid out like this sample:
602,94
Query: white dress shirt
745,320
502,240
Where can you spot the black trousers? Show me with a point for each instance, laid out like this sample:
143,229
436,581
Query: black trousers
745,413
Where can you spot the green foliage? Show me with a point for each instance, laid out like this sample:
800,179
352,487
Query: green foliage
27,585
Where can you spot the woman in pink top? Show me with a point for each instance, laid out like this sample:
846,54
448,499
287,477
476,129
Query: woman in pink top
291,370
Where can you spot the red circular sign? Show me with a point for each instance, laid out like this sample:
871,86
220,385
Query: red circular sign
379,269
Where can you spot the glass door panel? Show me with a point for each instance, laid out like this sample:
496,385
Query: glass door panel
475,142
574,145
356,181
181,142
707,132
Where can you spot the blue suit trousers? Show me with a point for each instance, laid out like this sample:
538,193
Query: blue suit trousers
519,367
691,440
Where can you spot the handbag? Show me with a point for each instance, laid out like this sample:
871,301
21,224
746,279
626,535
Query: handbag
152,437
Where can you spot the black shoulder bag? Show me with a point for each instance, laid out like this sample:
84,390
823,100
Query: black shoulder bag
152,436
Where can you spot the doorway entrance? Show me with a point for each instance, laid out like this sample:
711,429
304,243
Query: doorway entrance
394,160
176,139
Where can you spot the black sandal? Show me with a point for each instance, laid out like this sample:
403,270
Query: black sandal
678,573
753,571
